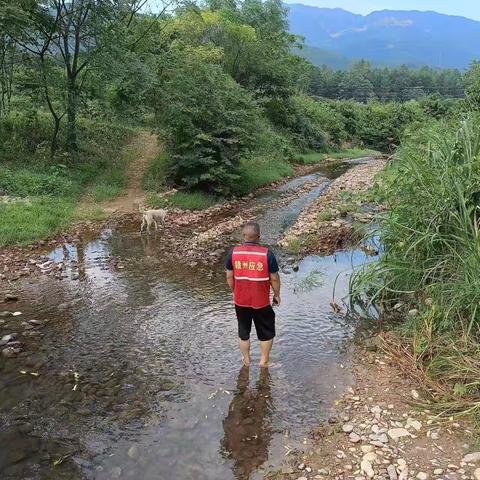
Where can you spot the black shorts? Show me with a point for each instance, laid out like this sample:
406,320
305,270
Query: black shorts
264,319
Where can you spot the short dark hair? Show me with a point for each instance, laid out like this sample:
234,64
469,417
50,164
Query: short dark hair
254,226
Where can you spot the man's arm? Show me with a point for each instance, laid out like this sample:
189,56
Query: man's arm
229,268
275,283
274,277
230,279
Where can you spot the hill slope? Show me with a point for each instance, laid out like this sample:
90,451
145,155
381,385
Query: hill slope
388,37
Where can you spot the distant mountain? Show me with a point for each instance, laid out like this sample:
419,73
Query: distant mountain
320,56
387,37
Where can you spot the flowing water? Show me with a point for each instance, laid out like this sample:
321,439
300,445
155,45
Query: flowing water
138,373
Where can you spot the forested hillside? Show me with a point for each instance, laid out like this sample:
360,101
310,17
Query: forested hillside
232,106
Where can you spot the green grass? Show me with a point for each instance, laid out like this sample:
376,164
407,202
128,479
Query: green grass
353,153
183,200
318,157
260,171
53,188
326,215
24,223
89,213
104,192
431,261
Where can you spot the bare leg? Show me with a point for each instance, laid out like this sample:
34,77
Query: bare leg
245,349
265,348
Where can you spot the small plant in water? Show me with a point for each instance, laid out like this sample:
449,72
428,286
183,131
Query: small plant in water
313,280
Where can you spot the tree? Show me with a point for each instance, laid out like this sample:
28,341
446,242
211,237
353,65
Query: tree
70,34
472,92
208,120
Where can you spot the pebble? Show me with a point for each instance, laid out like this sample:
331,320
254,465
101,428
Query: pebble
301,466
347,428
422,476
414,423
10,297
354,438
8,338
472,457
133,452
476,474
379,437
396,433
438,471
370,457
9,352
392,472
366,468
415,394
302,478
116,472
367,448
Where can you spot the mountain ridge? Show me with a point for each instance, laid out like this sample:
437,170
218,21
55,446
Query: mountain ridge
388,37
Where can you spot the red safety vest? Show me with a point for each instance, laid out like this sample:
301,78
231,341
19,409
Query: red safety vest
252,278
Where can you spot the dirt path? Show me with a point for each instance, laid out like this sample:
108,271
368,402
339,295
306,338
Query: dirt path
143,149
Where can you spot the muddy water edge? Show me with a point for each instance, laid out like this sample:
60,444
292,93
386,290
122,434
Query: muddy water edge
130,366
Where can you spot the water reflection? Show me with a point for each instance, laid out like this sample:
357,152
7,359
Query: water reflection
247,426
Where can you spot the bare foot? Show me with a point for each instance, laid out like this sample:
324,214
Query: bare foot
246,361
266,364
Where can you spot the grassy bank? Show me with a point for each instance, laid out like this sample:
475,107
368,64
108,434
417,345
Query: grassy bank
349,153
46,191
428,279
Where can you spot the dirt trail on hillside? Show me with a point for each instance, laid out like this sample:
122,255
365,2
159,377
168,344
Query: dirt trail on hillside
143,148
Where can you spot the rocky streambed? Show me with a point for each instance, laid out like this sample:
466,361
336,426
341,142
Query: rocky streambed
120,361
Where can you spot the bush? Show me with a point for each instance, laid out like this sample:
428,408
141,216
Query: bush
209,121
24,182
303,120
155,177
23,135
378,125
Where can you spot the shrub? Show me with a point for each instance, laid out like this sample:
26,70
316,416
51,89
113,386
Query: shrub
156,175
209,121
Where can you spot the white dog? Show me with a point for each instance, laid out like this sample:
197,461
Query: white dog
152,217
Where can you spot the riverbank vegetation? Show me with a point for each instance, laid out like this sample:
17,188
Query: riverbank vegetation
220,84
427,280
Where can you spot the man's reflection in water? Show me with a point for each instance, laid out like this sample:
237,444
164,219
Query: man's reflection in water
247,426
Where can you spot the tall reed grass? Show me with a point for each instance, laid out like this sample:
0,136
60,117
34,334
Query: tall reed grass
431,261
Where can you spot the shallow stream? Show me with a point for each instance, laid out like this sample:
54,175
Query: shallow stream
138,373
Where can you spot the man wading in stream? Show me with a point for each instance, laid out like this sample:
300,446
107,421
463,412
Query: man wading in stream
251,270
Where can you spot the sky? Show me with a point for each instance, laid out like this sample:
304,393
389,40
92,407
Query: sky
465,8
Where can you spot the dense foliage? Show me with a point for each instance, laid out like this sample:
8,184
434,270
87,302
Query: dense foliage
364,82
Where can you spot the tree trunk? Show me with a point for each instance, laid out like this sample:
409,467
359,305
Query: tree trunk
54,142
72,146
